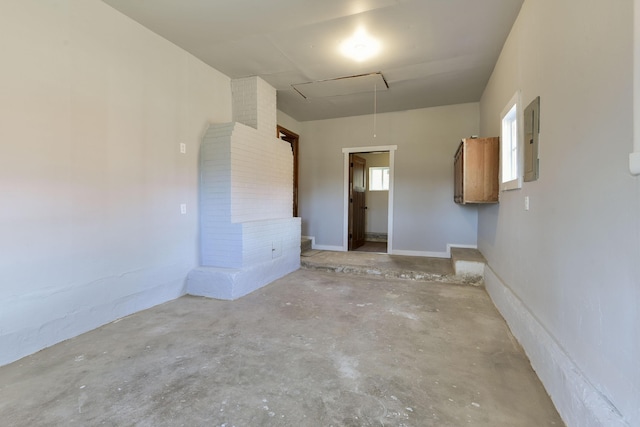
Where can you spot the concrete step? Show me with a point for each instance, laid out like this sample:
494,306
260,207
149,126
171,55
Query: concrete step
468,263
305,244
466,266
422,269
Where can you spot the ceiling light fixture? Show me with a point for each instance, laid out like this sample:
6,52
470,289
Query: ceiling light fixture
360,47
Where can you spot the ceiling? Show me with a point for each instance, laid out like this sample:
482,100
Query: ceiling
434,52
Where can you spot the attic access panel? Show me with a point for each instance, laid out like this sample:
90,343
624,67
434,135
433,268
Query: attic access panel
342,86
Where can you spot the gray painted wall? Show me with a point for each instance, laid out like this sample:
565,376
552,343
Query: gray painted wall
94,108
426,218
571,264
289,123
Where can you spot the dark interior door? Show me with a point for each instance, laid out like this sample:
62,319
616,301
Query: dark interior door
357,203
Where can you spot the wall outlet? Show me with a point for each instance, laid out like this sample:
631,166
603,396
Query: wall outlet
183,208
526,203
183,148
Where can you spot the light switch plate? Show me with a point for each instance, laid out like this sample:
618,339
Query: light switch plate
183,208
183,148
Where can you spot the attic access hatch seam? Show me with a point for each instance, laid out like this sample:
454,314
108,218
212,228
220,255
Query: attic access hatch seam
341,86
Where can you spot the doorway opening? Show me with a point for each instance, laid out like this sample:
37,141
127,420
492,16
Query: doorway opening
293,139
368,198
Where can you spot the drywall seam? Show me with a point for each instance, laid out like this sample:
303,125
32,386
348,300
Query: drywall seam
634,158
576,399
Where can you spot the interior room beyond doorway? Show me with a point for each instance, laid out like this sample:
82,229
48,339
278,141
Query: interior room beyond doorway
369,172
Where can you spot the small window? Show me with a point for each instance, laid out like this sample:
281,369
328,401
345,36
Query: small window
510,145
378,178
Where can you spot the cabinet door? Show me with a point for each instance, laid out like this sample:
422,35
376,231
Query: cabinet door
458,189
476,171
491,168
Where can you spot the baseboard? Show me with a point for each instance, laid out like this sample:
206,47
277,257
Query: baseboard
328,248
429,254
323,247
421,253
576,399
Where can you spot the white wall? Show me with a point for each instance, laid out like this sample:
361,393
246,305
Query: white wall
93,109
566,273
377,202
426,218
290,123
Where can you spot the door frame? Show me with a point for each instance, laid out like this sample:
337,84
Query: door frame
293,139
345,218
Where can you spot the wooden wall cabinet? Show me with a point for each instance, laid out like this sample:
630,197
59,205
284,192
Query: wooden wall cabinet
476,168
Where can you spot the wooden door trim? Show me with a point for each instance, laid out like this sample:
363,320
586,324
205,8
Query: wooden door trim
345,217
293,139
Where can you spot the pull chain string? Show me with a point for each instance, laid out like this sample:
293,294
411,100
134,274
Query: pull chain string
375,107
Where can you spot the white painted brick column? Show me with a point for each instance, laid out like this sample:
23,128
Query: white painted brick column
254,104
248,235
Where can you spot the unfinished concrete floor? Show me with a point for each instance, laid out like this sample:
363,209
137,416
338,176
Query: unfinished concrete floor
465,266
382,265
312,349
